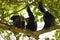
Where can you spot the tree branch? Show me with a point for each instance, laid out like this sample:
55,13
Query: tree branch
29,33
19,10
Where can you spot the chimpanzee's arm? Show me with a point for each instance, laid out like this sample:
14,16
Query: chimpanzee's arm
48,18
31,16
41,8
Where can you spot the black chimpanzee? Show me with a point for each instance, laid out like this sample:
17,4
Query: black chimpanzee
18,21
31,23
48,18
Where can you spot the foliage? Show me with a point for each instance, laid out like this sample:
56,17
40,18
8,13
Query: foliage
57,34
9,8
46,38
16,7
8,35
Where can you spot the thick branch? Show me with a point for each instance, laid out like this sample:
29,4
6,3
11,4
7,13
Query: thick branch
28,32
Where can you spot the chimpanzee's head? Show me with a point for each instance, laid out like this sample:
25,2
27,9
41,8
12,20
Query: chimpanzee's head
14,17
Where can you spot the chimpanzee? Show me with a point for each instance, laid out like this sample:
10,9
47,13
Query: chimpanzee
18,21
31,23
48,18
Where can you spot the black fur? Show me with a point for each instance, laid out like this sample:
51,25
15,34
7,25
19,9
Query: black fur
31,24
48,18
18,21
